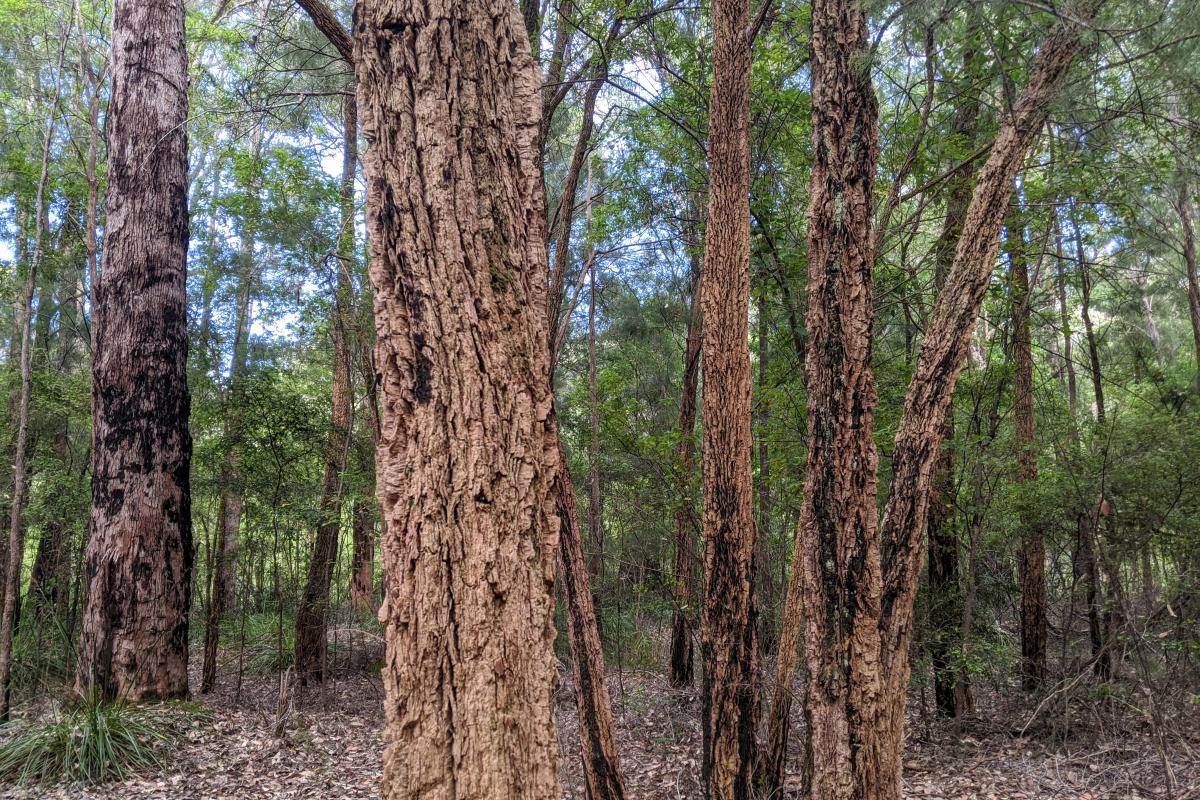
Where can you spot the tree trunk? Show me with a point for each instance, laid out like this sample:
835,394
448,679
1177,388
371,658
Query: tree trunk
684,611
1065,318
1033,546
595,524
730,710
448,94
16,532
223,581
762,553
601,769
139,558
839,546
362,566
950,680
312,615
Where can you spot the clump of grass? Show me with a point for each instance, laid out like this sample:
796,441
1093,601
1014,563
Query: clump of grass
89,743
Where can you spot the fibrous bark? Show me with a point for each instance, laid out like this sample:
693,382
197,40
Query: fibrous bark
729,649
448,97
139,557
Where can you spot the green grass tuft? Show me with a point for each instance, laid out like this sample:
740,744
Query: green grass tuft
90,743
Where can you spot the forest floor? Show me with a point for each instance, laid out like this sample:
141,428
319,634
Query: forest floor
327,744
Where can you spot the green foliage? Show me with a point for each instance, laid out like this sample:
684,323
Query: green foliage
89,743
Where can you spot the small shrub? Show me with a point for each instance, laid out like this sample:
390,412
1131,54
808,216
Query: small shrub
90,743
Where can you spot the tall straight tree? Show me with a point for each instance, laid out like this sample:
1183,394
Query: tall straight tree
138,571
448,98
728,646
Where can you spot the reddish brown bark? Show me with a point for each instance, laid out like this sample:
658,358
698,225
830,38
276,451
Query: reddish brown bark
939,364
839,546
730,710
362,564
448,97
139,557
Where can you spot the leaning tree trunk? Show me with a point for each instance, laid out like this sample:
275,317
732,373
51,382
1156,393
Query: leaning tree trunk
448,94
362,565
312,615
939,364
728,646
1033,545
139,558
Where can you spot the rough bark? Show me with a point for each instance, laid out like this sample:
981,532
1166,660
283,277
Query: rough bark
139,557
448,100
943,352
1034,623
839,546
684,518
362,564
730,704
312,615
327,23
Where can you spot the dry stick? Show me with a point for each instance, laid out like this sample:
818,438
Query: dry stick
15,534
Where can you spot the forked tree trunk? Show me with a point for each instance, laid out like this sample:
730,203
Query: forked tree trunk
1034,622
939,364
312,615
139,558
448,95
684,612
1089,329
729,649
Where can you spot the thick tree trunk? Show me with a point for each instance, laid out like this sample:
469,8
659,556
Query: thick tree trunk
312,615
685,593
730,653
139,558
448,97
839,545
1034,622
